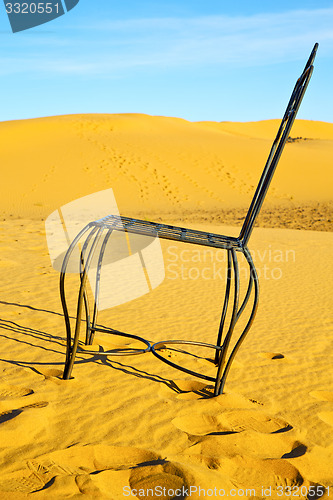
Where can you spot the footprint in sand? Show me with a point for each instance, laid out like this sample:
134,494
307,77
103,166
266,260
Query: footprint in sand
210,362
256,421
196,390
230,457
326,416
168,352
258,473
53,374
322,395
95,471
230,421
32,479
186,389
23,484
210,449
11,391
164,475
7,415
148,477
237,401
272,355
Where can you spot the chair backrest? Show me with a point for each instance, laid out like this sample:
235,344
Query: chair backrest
277,148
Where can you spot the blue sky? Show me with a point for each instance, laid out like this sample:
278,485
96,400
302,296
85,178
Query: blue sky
194,59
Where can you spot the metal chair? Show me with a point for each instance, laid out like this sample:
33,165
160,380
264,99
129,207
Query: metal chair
99,232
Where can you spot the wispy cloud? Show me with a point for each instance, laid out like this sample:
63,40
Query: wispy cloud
107,47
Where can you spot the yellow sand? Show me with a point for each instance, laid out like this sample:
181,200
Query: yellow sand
134,422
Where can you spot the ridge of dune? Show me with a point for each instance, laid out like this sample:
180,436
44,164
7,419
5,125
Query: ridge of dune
159,165
265,129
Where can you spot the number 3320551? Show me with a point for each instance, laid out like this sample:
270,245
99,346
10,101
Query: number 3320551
32,8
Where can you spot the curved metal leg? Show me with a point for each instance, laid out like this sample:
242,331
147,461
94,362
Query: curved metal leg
247,296
91,329
87,310
224,361
158,345
71,351
223,370
225,305
224,310
234,317
85,295
88,340
62,288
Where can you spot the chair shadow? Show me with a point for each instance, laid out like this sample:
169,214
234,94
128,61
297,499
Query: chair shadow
128,369
30,337
26,306
39,336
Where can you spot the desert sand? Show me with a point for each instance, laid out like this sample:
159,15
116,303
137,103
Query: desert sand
133,425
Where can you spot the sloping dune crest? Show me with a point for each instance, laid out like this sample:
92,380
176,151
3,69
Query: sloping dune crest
169,166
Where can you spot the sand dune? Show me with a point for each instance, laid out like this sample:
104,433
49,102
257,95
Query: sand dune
134,424
167,167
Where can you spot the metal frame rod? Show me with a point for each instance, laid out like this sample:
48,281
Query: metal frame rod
234,317
221,378
90,338
73,349
225,308
87,309
271,165
159,345
62,287
277,148
117,351
85,295
247,296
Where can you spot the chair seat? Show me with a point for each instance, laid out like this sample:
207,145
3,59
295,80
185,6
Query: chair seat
168,232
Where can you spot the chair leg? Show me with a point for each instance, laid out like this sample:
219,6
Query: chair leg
72,348
224,368
233,320
62,290
89,331
90,337
224,310
87,311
